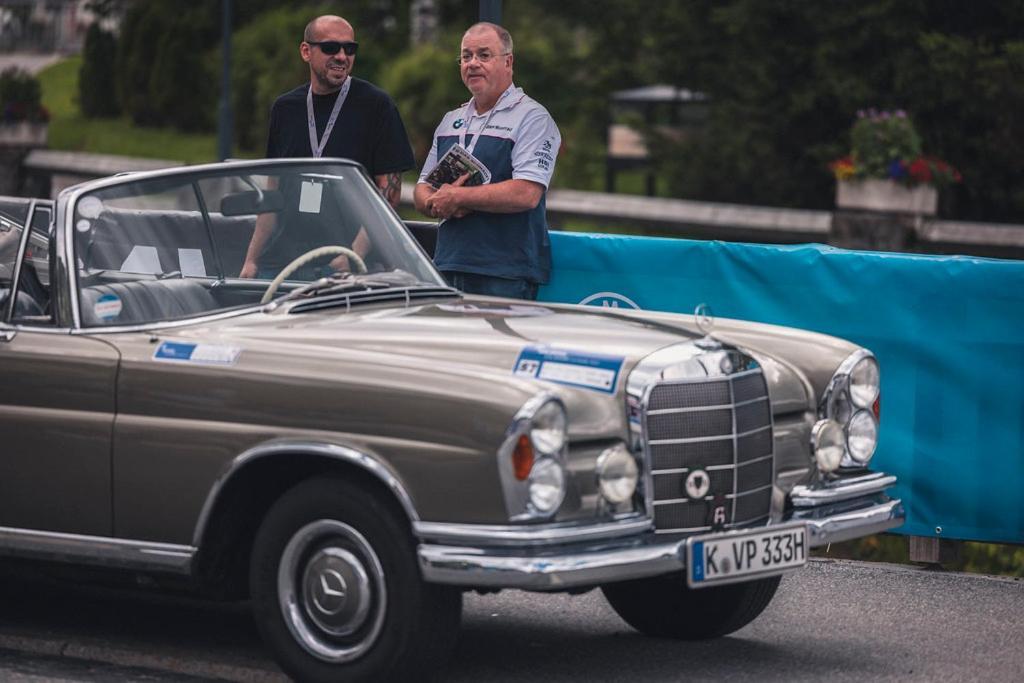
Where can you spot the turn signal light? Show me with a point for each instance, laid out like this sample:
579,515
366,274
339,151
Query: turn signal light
876,408
522,458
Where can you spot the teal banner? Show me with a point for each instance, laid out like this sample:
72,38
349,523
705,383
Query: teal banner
948,332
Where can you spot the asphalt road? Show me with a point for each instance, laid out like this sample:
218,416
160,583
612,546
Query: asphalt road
832,620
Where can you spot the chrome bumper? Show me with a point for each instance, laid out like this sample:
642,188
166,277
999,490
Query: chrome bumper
832,514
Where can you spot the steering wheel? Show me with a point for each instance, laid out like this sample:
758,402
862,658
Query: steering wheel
312,255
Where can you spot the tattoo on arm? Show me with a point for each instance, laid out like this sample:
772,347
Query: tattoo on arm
390,187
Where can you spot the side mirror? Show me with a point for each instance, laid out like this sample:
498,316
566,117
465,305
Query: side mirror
252,202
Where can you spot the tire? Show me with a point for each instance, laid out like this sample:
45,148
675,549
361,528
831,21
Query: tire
664,607
336,590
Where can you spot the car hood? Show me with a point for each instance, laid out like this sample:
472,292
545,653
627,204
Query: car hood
487,337
483,335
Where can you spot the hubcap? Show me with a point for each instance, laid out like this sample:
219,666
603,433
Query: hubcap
336,591
331,590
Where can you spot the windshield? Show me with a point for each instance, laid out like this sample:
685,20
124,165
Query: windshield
197,242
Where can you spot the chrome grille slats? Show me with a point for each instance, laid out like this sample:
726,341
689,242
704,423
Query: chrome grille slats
754,474
754,506
751,416
689,425
721,424
669,485
753,446
669,396
675,455
748,387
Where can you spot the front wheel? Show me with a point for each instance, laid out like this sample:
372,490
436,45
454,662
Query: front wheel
665,607
336,591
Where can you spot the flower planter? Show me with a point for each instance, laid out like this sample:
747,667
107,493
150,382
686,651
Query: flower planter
888,196
23,134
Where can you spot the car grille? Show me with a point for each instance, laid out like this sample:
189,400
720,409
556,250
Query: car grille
723,426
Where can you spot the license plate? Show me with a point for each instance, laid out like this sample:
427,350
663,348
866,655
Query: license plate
721,558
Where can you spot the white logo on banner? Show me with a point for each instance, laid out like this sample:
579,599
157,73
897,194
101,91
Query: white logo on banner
609,300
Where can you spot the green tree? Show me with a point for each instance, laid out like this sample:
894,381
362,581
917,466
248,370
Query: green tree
787,78
424,83
265,63
95,96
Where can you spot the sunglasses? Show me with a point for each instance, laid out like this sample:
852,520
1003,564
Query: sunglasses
333,47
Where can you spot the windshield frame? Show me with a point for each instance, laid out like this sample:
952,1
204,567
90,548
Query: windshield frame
68,199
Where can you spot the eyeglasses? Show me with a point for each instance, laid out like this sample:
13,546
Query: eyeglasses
333,47
483,56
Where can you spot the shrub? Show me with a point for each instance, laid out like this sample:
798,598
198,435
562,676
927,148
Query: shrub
424,83
265,63
21,97
96,95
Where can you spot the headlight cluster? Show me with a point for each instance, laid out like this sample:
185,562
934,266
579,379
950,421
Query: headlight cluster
532,463
847,432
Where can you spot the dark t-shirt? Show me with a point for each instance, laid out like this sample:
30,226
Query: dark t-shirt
368,130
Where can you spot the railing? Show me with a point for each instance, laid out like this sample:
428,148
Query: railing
49,171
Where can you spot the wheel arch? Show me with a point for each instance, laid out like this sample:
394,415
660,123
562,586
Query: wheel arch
240,497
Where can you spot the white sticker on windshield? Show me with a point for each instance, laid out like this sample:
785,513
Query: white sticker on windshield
309,197
191,262
90,207
83,225
142,260
107,307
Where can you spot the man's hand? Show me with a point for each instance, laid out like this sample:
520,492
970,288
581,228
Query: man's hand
339,264
249,270
445,203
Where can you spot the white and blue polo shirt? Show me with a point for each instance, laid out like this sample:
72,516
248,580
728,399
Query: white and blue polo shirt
520,142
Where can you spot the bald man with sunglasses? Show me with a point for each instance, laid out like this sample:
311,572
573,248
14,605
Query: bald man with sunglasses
334,115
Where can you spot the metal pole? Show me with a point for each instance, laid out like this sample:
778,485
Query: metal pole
225,131
490,10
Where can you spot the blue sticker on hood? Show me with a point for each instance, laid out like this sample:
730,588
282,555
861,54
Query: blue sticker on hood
189,352
593,371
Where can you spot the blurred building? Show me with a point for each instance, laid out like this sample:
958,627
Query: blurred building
48,25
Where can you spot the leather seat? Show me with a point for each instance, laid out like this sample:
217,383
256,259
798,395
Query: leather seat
24,304
146,301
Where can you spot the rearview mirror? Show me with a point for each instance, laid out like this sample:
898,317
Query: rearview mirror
250,202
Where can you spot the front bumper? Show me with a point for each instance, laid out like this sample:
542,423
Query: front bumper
838,512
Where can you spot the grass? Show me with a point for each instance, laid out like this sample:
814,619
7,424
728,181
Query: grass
71,131
979,558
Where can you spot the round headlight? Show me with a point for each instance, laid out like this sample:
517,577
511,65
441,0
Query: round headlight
617,474
864,382
862,436
828,442
547,485
548,430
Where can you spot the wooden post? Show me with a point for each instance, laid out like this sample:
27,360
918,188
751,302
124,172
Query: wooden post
932,551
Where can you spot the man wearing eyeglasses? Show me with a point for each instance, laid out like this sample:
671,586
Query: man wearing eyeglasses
493,237
334,115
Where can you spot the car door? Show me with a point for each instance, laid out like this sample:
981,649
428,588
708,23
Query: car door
57,397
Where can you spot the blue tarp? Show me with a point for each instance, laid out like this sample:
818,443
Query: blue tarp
948,332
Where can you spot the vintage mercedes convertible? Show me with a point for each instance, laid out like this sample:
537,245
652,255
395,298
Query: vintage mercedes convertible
349,443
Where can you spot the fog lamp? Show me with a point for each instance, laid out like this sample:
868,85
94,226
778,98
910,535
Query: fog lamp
617,474
828,442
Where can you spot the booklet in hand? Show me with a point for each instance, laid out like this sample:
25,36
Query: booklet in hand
455,163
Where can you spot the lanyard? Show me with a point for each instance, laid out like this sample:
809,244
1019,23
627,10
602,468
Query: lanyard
318,147
476,137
